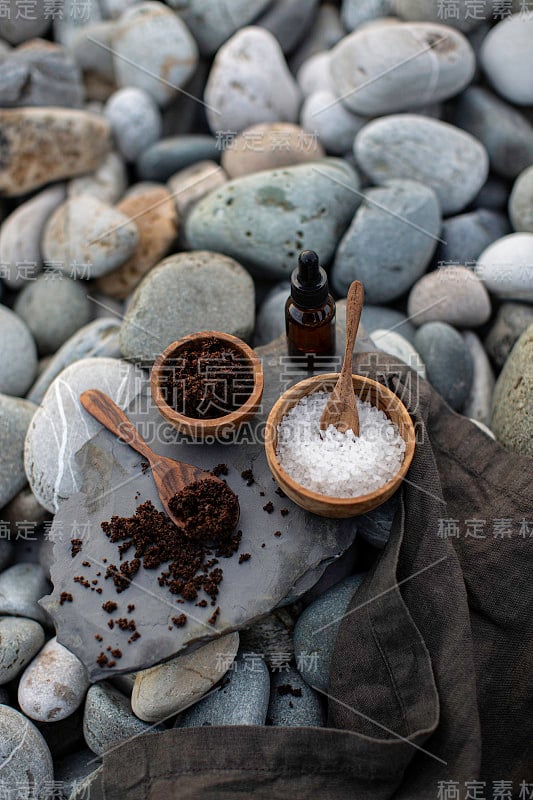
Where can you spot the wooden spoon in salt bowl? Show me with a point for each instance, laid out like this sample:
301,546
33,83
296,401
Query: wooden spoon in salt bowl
170,476
341,408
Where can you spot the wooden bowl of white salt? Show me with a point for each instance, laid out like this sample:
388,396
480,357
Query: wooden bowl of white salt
335,474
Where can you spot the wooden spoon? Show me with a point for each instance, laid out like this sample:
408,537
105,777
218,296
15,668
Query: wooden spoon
341,408
169,476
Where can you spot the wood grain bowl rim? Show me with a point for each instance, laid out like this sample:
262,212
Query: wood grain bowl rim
192,425
344,505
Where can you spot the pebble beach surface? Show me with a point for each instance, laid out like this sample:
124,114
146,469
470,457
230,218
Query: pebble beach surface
162,165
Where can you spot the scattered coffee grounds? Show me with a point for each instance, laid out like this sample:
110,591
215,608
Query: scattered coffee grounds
263,545
207,379
65,597
86,563
286,688
134,637
213,618
111,624
220,469
98,591
248,476
116,653
82,581
111,664
208,508
102,660
284,512
261,494
131,608
277,533
76,545
244,557
280,492
109,606
126,624
201,604
98,637
180,621
269,508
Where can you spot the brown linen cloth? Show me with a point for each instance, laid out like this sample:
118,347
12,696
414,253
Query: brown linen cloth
430,690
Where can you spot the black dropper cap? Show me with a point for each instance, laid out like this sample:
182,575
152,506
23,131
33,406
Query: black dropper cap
309,282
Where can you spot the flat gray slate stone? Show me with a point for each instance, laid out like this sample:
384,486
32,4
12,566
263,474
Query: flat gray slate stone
112,476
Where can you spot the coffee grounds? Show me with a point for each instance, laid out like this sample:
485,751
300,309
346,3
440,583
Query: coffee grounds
207,379
244,557
76,545
65,597
269,508
248,476
208,508
220,469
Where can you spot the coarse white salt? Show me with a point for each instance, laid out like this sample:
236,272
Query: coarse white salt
338,464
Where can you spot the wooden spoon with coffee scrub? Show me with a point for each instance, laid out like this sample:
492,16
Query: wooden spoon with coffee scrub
341,408
170,476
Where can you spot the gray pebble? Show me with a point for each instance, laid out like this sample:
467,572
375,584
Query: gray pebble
314,643
16,27
53,307
27,770
512,421
61,426
326,31
271,317
314,75
355,12
511,321
509,143
507,58
189,185
21,586
92,51
449,365
212,24
381,317
107,184
18,364
289,21
241,698
467,235
335,126
450,294
521,202
479,403
394,344
264,220
506,267
108,719
21,639
375,526
40,74
185,293
397,146
21,233
15,417
86,238
164,158
293,703
71,23
153,50
74,769
390,241
459,15
135,120
97,339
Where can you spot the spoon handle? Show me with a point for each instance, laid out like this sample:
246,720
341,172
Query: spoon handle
106,411
354,307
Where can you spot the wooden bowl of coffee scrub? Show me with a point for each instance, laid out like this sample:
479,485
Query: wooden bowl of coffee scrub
336,474
207,384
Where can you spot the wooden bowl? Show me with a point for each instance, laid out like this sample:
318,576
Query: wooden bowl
203,428
324,505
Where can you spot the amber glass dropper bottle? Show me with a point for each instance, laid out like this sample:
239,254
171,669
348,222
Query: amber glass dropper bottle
310,310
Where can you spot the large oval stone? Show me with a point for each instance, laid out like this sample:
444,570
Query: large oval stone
512,421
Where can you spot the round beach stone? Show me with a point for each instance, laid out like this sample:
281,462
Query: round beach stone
390,241
264,220
241,698
512,421
479,402
271,317
15,417
153,50
53,686
25,507
397,146
381,317
107,184
164,158
394,344
506,267
459,15
212,24
154,214
314,74
70,22
185,293
20,236
41,145
465,236
91,47
450,294
357,12
314,643
135,120
21,586
18,363
18,24
507,58
387,68
60,427
108,719
191,184
86,238
250,83
20,640
289,21
293,703
25,760
520,202
509,144
53,307
511,321
449,365
40,73
270,146
326,31
168,688
336,127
